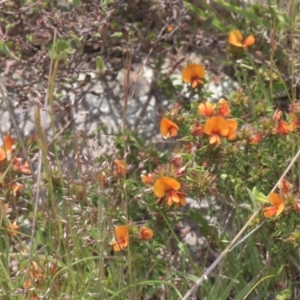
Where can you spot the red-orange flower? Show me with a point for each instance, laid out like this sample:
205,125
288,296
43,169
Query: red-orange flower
168,187
120,167
276,209
206,109
121,238
6,149
255,139
168,128
145,233
217,127
194,75
283,128
147,179
236,39
224,109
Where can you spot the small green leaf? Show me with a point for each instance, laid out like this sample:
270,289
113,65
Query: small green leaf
5,50
117,34
100,64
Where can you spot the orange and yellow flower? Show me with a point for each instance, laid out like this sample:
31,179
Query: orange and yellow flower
217,127
277,206
206,109
145,233
121,238
194,75
168,128
236,39
6,149
169,188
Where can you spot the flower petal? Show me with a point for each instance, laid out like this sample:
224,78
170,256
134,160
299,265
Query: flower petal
192,72
249,41
270,211
168,128
275,199
121,232
235,38
205,109
224,109
162,185
8,143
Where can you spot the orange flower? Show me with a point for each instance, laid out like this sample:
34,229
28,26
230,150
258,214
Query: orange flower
147,179
6,149
256,139
276,209
224,109
168,128
168,187
236,39
120,167
206,109
216,127
121,238
283,128
193,74
146,233
12,229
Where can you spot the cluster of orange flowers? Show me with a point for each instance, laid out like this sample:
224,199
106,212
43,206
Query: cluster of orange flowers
18,165
122,234
216,126
274,126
